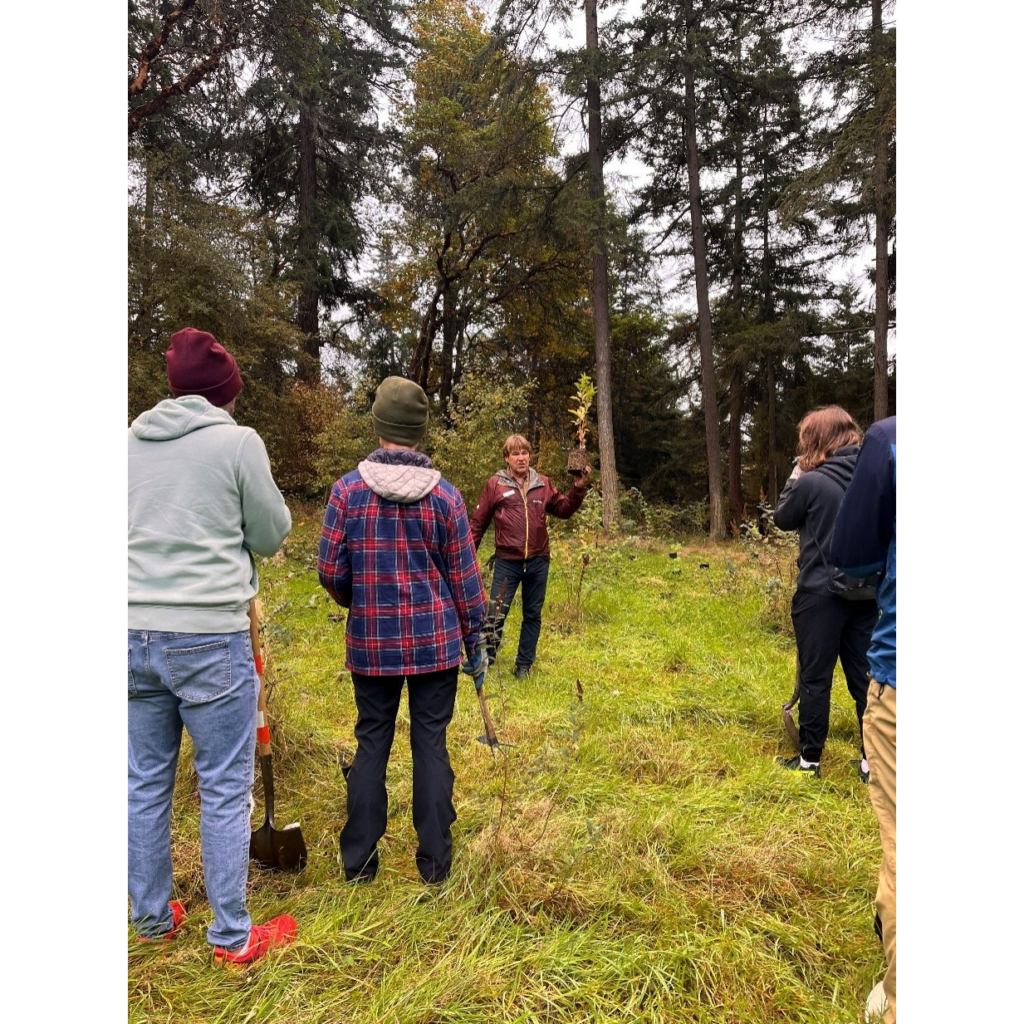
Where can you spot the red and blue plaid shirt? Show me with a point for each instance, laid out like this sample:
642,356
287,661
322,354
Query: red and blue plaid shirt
407,572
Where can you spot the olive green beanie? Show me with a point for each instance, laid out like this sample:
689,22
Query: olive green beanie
400,411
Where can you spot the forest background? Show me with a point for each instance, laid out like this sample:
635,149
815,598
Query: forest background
344,192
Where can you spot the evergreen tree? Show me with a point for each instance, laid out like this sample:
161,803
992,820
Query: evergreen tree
485,252
853,180
310,146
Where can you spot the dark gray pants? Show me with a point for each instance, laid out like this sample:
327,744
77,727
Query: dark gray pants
431,704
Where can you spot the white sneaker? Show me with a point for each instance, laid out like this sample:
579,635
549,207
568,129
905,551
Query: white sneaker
876,1005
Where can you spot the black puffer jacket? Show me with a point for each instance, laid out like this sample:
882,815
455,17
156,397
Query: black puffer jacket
810,504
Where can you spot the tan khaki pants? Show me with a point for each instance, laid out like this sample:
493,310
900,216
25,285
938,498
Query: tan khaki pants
880,746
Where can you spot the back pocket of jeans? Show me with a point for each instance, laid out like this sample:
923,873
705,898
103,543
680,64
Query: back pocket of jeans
200,674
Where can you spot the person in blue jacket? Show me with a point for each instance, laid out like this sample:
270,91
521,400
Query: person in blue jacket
864,542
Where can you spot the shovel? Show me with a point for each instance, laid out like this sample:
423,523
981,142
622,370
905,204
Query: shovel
488,636
280,849
490,737
789,707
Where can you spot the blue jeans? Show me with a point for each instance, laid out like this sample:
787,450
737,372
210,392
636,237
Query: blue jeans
533,574
207,683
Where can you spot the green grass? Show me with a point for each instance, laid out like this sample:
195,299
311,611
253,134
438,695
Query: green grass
637,857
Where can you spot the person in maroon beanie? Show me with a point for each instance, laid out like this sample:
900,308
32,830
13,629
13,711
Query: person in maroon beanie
201,502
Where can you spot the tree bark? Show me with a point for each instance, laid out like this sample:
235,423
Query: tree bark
602,328
700,267
309,300
449,323
773,441
882,221
419,368
139,115
735,468
736,445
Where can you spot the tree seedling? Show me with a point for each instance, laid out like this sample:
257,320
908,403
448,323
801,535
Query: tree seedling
583,399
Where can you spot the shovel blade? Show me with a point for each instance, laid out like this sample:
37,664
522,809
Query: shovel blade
791,727
278,849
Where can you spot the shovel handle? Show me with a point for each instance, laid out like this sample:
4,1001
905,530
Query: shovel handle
262,726
492,736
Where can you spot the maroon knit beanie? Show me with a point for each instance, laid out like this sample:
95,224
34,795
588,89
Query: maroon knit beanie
197,364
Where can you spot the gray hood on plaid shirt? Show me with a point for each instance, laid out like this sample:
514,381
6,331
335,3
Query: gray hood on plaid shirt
396,482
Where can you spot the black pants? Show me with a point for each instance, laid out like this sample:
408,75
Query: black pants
431,704
829,628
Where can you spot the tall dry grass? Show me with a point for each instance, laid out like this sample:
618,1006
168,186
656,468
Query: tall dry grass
637,857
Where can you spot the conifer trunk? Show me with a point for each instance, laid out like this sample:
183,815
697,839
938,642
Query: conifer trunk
309,301
736,445
700,267
735,468
881,183
602,329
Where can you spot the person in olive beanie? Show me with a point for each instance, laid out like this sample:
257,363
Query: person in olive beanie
400,412
396,550
201,502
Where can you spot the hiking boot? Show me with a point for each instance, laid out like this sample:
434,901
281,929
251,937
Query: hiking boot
521,671
360,876
178,916
431,871
278,931
793,764
861,774
365,872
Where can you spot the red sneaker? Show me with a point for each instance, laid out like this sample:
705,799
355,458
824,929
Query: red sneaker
178,916
278,931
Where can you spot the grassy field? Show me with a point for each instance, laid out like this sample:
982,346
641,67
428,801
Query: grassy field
637,857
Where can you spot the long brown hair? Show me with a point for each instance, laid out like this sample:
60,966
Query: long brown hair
822,433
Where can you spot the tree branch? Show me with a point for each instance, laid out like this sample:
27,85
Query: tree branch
153,48
138,116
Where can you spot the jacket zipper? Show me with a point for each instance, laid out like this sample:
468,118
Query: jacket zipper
526,520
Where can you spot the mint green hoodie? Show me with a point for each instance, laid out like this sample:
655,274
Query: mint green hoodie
201,497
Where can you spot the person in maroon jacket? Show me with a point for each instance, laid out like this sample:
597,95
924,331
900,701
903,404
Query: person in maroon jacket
518,500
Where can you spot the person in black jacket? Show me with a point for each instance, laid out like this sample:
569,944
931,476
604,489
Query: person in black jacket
827,627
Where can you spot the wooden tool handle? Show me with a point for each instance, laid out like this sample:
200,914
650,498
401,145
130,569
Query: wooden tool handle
492,736
262,725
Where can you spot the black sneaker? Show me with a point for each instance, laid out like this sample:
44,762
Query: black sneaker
863,775
793,764
521,672
431,871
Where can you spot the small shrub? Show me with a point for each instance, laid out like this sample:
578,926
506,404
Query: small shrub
641,518
574,549
343,431
771,564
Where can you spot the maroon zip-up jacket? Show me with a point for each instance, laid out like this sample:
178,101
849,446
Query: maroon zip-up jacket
520,516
